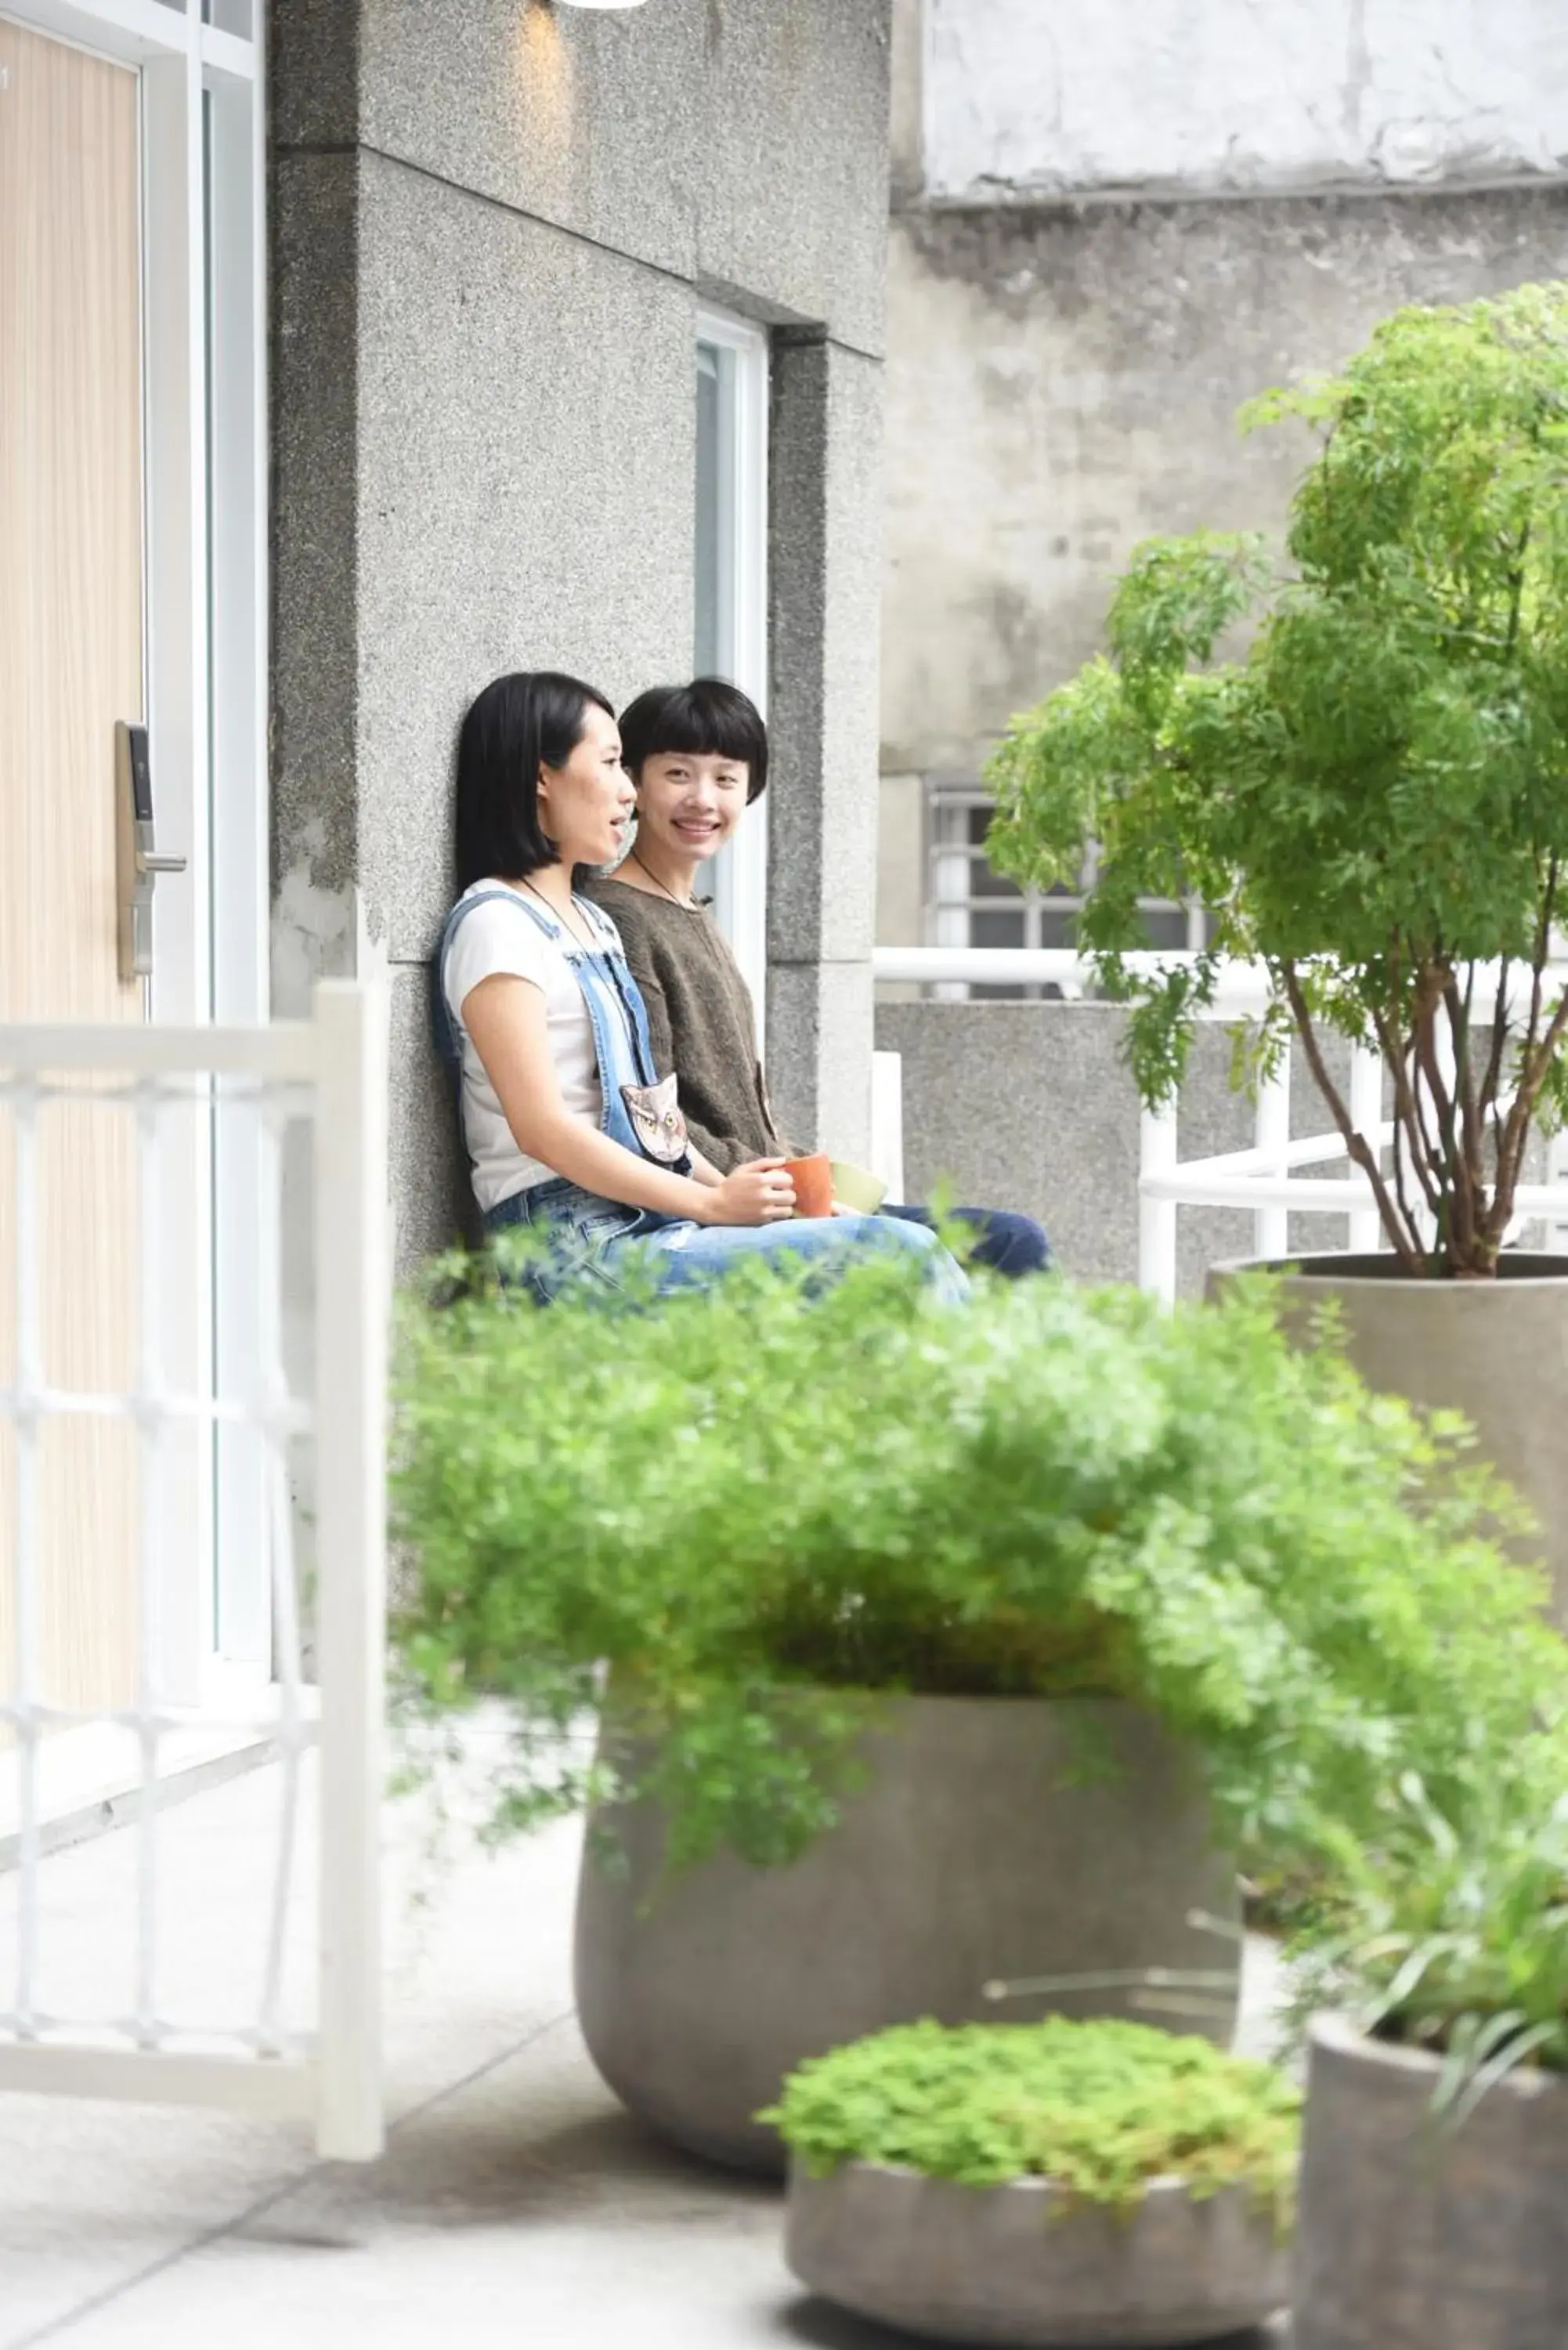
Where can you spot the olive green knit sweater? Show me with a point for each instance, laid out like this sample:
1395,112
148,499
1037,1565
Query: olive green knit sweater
699,1020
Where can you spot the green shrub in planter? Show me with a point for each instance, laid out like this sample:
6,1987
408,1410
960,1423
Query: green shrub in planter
1058,2183
1437,2120
1101,2108
1452,1941
759,1508
1371,802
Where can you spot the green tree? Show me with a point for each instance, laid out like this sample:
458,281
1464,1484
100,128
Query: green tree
1373,801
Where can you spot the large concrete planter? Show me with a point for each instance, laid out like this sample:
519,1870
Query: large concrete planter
1020,2264
1412,2238
1496,1350
968,1856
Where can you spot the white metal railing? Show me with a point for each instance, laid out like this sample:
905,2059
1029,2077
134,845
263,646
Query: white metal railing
1262,1177
330,1071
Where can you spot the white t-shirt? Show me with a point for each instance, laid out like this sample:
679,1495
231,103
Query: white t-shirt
502,937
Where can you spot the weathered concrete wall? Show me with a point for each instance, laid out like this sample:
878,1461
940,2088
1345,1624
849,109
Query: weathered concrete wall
1030,1106
1235,208
1062,382
1022,98
492,223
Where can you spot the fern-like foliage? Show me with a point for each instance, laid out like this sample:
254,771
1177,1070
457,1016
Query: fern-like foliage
1373,796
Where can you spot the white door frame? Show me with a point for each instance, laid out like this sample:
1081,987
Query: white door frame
741,879
205,394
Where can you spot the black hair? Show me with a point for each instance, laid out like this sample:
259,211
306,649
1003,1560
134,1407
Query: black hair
530,719
707,719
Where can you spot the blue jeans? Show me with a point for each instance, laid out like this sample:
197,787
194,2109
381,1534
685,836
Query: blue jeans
1009,1243
601,1239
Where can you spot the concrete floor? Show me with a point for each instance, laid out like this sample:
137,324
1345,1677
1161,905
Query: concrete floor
516,2203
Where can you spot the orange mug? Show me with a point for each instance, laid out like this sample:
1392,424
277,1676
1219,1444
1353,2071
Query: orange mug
813,1181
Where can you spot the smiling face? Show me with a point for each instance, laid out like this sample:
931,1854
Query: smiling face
687,805
586,806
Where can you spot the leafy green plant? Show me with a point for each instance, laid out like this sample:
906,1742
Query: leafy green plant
1373,801
760,1509
1454,1939
1099,2108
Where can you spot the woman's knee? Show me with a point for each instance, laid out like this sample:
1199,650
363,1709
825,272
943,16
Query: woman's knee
1013,1244
1005,1241
887,1232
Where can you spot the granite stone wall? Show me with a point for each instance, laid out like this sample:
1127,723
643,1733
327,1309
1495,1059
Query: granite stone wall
1030,1106
492,222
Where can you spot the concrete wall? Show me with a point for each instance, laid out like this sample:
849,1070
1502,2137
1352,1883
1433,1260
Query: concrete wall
1022,98
493,222
1063,369
1062,382
1030,1106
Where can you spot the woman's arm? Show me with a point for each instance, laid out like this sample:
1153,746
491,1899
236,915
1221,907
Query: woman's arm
504,1017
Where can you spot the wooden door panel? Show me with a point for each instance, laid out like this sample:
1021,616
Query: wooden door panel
71,540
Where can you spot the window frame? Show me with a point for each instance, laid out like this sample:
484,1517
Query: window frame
948,912
741,872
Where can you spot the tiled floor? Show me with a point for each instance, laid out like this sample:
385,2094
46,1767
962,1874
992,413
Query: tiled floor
517,2207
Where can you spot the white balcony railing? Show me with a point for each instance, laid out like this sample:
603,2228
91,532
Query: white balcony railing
330,1073
1265,1177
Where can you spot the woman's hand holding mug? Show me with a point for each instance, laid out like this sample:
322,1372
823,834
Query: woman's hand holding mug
759,1192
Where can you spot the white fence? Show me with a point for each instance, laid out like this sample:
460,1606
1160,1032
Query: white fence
331,1071
1262,1178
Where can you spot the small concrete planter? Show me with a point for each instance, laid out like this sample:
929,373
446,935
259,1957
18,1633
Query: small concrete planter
1020,2264
1412,2238
968,1856
1496,1350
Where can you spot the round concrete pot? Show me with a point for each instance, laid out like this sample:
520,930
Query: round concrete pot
1496,1350
968,1856
1412,2237
1024,2264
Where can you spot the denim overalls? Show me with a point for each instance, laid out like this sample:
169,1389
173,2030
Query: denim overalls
583,1222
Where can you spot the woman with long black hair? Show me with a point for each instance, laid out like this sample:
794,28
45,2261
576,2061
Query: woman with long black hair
569,1123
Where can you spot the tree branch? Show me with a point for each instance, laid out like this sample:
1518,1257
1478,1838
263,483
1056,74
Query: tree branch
1516,578
1460,1013
1407,1115
1532,1071
1458,1222
1499,1034
1404,1242
1524,1101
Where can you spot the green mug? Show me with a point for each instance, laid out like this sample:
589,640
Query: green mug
854,1187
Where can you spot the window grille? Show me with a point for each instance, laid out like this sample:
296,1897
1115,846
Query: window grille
969,905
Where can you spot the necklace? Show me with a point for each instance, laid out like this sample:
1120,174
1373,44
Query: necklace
685,904
571,922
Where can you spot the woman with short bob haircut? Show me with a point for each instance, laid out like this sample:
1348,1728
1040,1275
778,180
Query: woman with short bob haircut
569,1123
698,758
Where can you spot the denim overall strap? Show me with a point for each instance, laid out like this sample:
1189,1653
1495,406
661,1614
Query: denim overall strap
616,1014
443,1028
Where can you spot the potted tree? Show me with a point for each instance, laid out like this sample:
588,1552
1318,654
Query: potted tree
932,1645
1055,2184
1436,2132
1372,803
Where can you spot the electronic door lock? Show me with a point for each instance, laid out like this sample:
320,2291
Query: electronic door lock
136,861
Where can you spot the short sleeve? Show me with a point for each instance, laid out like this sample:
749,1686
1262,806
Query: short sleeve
498,939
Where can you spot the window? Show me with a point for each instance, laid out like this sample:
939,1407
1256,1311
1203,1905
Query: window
968,905
730,568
